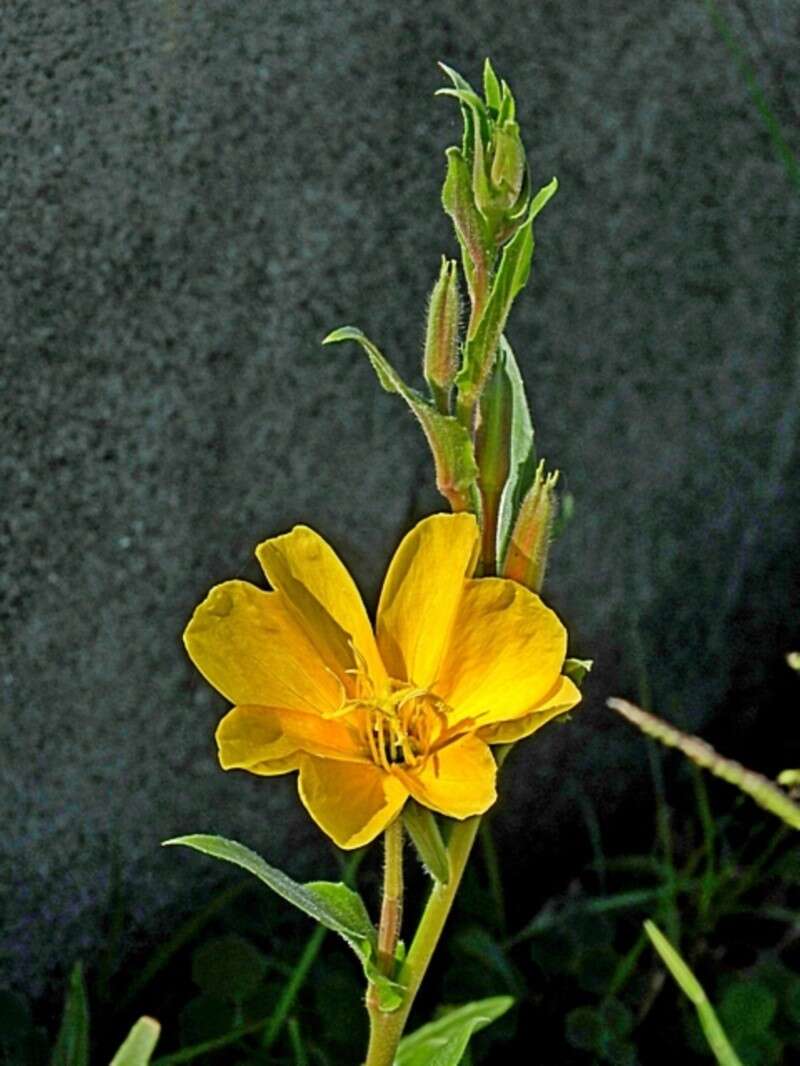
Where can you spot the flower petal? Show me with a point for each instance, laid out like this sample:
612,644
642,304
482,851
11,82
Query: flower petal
458,781
248,737
351,802
564,697
505,653
421,594
324,597
248,646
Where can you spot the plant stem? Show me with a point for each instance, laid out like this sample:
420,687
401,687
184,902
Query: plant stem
392,904
387,1028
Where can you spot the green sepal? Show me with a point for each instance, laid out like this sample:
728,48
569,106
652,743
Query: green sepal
333,905
461,83
491,86
450,444
577,669
427,839
139,1044
510,278
444,1041
72,1043
522,449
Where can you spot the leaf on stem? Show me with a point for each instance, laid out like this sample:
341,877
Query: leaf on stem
453,456
335,906
444,1041
509,279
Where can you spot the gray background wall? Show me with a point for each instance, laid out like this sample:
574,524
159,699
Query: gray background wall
193,194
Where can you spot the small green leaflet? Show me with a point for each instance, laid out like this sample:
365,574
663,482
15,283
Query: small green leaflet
444,1041
456,470
139,1044
577,669
72,1044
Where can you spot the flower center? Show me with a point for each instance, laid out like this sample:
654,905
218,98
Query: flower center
401,725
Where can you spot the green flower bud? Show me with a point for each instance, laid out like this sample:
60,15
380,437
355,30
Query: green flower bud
529,545
441,335
507,174
493,455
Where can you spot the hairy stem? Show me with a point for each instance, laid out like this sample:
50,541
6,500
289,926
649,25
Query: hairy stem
387,1028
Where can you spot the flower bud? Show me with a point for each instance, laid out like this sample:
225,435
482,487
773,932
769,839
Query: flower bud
493,455
529,545
507,172
441,336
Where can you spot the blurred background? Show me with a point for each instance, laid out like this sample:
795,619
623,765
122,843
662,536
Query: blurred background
195,194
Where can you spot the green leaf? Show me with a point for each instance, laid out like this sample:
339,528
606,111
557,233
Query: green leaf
510,278
577,669
346,904
332,906
427,839
714,1033
139,1044
444,1041
453,456
72,1044
522,458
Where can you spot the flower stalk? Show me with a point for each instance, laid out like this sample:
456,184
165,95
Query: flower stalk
387,1029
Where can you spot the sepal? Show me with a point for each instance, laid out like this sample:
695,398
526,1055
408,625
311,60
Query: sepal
422,827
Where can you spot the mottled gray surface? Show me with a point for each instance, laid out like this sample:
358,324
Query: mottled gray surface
193,195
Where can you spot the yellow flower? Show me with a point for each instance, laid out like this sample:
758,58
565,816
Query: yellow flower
370,719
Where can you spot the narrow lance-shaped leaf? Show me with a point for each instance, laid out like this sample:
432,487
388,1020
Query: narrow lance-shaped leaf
335,906
510,278
139,1044
454,460
444,1041
522,450
713,1031
759,788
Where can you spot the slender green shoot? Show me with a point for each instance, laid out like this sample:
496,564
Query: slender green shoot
691,987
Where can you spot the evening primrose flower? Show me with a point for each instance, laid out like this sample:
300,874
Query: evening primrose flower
371,718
